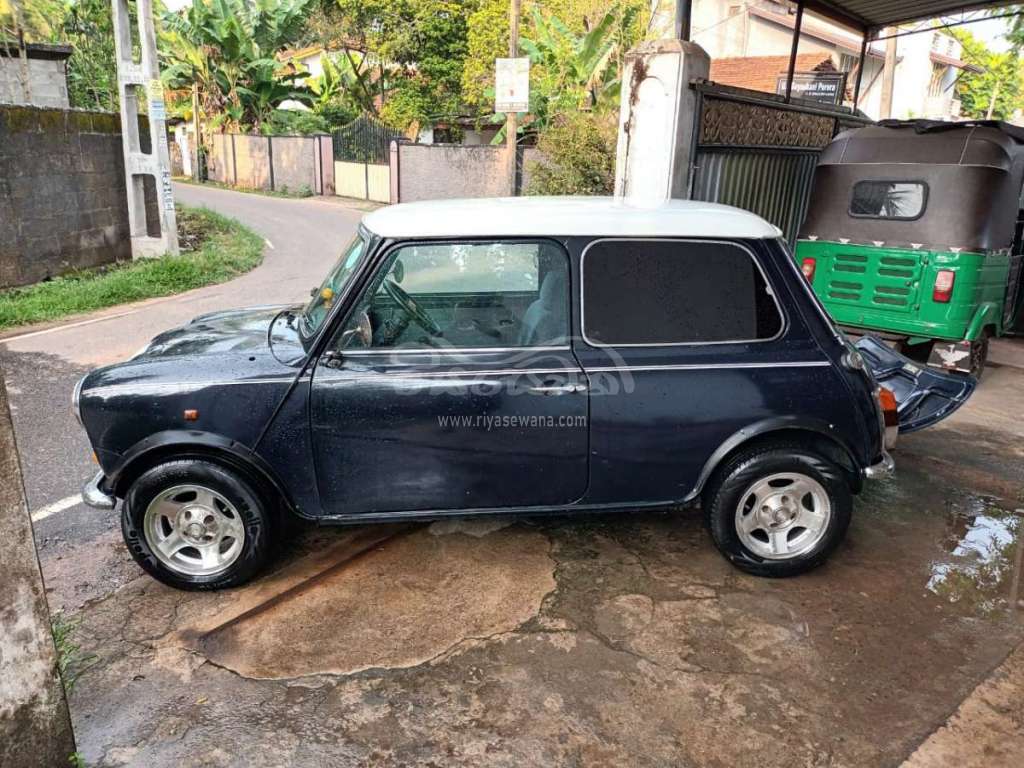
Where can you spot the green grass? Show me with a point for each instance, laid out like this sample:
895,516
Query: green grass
299,192
213,249
71,662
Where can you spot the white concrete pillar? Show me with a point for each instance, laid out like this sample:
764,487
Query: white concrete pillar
657,119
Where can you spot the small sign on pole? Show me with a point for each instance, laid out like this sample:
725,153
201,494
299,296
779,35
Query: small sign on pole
512,85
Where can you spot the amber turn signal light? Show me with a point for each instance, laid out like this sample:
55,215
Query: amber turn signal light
191,414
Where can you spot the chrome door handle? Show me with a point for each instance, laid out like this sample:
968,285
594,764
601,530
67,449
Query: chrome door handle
560,389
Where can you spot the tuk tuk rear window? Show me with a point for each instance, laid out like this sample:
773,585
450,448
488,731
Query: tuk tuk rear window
902,200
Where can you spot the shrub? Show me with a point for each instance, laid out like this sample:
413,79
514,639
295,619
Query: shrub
577,156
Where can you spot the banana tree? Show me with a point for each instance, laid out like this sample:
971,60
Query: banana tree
228,49
346,79
570,71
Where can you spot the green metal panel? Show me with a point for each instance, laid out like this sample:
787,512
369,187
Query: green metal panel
890,289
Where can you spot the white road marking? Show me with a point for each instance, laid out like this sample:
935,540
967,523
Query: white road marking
270,245
58,506
65,327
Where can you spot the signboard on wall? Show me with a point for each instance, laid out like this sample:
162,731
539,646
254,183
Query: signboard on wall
826,87
512,85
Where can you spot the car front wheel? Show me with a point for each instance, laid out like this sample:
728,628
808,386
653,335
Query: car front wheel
193,524
778,510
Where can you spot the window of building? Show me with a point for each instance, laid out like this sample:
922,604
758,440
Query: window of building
465,295
889,199
938,75
644,292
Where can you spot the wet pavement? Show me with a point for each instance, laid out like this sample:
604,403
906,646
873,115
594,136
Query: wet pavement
610,640
622,639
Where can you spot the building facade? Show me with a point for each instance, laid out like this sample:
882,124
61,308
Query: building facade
927,64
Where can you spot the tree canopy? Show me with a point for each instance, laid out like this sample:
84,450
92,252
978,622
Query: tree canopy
995,92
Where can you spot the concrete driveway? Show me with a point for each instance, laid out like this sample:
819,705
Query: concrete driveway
613,640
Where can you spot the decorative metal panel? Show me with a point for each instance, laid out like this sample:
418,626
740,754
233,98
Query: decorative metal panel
739,123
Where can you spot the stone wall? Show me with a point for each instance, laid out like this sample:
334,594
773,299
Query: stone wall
435,171
35,729
62,195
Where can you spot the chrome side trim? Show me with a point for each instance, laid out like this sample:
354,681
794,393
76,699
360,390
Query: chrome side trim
180,386
712,366
783,328
446,350
94,497
449,374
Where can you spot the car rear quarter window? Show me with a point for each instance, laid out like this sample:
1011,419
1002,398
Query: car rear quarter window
663,292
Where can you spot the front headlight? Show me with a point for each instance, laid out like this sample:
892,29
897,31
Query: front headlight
76,400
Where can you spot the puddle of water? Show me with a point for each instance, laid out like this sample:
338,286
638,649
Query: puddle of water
983,556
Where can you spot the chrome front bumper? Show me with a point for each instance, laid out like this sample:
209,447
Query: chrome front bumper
883,469
95,497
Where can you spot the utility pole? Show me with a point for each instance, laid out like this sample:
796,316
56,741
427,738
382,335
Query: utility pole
512,118
196,175
889,73
131,77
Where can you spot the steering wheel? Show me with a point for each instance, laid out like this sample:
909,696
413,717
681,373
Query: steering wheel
414,310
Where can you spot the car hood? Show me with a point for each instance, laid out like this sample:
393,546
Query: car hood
924,396
238,330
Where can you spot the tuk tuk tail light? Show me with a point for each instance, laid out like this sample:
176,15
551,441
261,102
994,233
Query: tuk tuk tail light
890,417
943,290
807,266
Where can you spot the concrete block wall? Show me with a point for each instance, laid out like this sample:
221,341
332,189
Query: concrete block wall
436,171
47,82
62,195
282,163
295,164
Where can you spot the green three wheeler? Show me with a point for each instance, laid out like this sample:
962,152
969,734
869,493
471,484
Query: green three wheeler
913,233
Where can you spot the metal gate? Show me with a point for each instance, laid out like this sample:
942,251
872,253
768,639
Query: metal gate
361,156
758,152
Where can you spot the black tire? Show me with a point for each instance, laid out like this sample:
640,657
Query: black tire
732,481
255,512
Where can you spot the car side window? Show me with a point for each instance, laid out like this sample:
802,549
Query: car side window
665,292
464,295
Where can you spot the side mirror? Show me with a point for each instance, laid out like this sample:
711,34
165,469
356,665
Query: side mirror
398,271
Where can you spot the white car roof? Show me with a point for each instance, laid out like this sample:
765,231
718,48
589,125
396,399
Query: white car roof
566,216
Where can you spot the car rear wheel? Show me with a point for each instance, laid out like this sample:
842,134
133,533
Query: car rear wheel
193,524
778,510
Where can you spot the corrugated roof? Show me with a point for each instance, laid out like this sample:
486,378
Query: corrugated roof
884,13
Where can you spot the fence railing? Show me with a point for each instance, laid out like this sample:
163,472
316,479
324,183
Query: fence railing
364,140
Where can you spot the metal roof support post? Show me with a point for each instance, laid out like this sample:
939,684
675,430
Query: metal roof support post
796,45
132,78
684,11
860,67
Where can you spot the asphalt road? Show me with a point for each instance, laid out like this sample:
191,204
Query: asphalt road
41,366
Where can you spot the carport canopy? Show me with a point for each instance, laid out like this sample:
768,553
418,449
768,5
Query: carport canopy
869,16
874,14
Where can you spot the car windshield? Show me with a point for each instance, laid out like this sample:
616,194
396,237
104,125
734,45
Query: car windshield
333,286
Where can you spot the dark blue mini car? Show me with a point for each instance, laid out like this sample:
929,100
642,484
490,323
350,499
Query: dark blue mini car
493,356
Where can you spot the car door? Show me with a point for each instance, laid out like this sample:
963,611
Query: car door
451,385
686,345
